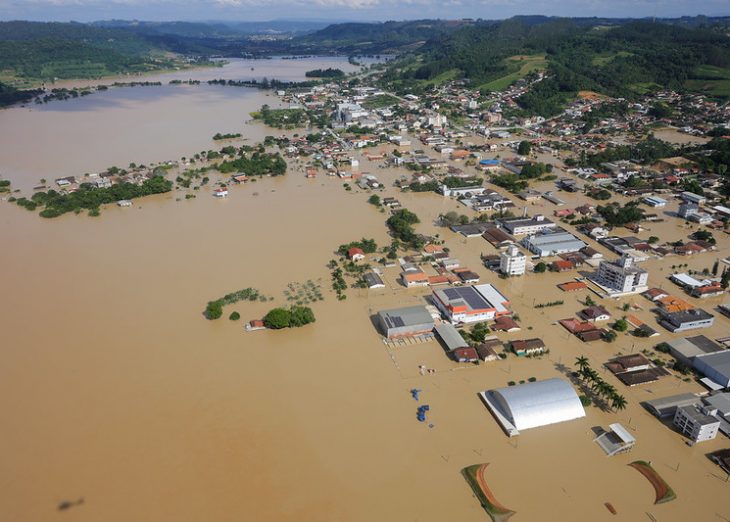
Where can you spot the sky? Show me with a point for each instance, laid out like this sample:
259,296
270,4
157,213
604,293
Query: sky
340,10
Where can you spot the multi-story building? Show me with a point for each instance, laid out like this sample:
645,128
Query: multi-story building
512,261
696,423
622,276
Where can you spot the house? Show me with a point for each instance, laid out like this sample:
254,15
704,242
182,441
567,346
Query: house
431,249
449,263
467,354
414,278
572,286
355,254
528,347
588,336
685,320
373,281
575,326
487,351
654,294
595,313
254,325
562,265
497,237
635,369
712,289
506,324
467,276
220,192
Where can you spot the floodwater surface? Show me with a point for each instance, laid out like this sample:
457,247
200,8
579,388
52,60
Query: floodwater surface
116,390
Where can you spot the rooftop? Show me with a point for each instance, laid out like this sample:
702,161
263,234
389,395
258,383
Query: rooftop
408,316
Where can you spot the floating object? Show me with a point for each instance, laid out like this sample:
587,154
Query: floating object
415,392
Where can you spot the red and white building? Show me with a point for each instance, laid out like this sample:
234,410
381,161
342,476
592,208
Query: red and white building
471,304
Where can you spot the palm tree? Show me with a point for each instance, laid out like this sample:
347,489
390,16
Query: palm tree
581,362
604,389
619,402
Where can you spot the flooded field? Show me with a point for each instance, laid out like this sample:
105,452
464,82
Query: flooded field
115,389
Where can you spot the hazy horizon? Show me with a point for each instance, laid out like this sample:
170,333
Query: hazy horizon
333,11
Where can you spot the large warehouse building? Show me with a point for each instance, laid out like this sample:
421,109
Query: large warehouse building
471,304
533,404
405,322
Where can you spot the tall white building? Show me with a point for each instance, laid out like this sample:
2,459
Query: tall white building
622,276
696,423
512,261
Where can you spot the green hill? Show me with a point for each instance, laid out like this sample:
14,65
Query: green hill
43,51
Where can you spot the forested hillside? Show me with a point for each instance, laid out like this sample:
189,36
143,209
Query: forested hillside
68,50
622,60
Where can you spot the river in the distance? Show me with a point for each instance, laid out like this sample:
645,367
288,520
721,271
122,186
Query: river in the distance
140,124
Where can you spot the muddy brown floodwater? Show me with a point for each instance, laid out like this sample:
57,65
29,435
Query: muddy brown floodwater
115,389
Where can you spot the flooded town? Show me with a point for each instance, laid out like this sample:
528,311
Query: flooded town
548,296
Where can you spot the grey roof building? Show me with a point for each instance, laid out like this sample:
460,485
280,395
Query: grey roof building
667,406
404,322
373,280
686,349
685,320
522,226
450,336
715,366
553,243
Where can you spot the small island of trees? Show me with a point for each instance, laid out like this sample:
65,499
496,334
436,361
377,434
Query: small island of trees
258,164
325,73
293,317
91,198
218,136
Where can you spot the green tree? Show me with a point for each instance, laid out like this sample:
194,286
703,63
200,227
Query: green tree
301,315
374,200
725,279
540,267
621,325
581,362
278,318
610,336
524,148
214,310
618,402
235,316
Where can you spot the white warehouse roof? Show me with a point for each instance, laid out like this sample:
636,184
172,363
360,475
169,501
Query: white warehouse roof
534,404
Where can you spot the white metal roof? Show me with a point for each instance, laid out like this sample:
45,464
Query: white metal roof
539,403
